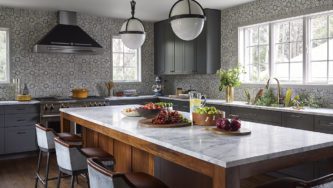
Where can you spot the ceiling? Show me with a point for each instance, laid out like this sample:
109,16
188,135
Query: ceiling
148,10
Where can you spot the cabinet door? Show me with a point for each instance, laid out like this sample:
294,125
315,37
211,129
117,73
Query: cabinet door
179,56
190,63
169,58
20,139
19,120
159,32
298,121
2,141
2,121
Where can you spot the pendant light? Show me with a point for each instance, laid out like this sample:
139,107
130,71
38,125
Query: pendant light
132,32
187,19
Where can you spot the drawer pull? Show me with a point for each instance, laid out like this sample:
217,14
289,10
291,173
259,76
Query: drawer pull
233,116
20,133
330,124
20,109
295,116
20,120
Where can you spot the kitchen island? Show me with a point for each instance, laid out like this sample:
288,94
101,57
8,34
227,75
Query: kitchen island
225,159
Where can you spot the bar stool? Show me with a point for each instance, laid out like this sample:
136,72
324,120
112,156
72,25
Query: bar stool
72,159
101,177
45,141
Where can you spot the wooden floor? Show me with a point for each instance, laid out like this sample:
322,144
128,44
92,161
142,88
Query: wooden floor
19,173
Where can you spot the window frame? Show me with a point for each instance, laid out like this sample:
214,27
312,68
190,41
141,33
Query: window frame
306,48
139,64
7,71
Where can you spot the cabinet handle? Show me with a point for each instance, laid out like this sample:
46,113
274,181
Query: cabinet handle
20,109
20,120
21,133
330,124
295,116
233,115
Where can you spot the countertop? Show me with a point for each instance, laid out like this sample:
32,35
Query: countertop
264,143
2,103
306,110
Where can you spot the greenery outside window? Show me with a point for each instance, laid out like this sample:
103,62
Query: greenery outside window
4,55
126,62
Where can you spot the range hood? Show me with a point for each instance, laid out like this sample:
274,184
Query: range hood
67,37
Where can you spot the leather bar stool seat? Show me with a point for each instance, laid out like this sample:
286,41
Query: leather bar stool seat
72,159
45,141
102,177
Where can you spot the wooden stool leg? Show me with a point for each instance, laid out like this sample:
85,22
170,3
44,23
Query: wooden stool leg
47,169
38,168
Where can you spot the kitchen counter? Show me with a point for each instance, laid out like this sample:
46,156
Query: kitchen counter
18,102
265,142
306,110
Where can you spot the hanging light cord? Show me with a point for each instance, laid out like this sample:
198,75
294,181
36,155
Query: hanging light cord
133,3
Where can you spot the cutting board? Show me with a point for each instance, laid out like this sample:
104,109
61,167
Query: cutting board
148,123
240,132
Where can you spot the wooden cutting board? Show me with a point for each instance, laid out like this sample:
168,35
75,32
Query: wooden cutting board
148,123
240,132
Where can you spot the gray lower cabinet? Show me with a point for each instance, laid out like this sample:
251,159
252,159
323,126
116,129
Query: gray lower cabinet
298,121
256,115
226,109
132,101
178,105
325,125
2,141
20,139
17,130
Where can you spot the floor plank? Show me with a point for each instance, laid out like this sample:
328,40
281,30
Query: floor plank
19,173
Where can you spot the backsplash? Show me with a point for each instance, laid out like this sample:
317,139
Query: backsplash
58,74
251,13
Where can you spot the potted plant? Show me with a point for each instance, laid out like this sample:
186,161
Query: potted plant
229,79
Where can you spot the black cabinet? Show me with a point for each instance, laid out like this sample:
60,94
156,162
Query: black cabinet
174,56
257,115
131,101
2,141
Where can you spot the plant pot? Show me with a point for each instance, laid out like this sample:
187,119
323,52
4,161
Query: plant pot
229,94
206,119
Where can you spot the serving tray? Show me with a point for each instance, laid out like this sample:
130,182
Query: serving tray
241,132
148,123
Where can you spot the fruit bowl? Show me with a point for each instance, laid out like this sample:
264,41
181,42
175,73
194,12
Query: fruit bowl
148,113
206,119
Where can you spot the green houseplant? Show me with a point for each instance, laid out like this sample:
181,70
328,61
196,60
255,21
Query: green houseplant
229,79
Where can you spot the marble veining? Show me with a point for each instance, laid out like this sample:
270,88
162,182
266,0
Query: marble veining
18,102
265,142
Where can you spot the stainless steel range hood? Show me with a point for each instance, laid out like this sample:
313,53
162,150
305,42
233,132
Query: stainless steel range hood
67,37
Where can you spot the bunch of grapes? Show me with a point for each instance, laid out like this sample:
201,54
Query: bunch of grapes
225,124
168,117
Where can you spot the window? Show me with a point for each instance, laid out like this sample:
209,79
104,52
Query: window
126,62
255,51
321,57
288,51
296,50
4,55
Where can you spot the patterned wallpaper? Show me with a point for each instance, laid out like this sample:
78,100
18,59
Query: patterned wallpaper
247,14
57,74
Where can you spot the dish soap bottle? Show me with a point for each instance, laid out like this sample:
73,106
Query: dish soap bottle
25,89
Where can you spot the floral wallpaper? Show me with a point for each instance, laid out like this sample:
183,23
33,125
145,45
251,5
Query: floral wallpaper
58,74
251,13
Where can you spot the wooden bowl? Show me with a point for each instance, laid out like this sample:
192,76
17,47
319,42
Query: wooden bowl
148,113
206,119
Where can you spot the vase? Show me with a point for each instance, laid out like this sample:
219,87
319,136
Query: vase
229,94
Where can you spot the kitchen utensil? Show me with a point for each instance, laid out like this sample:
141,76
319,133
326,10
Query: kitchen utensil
109,86
157,87
148,123
80,93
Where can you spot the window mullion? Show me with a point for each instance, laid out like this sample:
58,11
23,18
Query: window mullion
271,50
328,48
306,52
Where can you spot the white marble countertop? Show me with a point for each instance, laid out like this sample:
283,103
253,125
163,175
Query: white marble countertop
265,142
306,110
18,102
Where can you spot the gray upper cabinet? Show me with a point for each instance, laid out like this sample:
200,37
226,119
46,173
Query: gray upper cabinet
174,56
209,44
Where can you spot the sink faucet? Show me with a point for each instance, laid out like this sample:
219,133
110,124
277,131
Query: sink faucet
279,88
